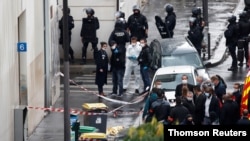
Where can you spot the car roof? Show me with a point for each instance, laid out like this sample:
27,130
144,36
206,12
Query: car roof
176,45
175,69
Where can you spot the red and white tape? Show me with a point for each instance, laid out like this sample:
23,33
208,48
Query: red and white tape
137,100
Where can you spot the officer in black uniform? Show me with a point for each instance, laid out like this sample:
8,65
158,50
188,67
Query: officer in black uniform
119,35
170,20
195,35
244,30
71,25
90,25
199,21
137,24
231,35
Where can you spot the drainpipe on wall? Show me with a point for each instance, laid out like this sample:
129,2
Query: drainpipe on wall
117,5
47,53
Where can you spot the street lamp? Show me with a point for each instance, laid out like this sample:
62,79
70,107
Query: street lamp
66,71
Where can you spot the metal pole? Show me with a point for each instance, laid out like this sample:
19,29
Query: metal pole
66,71
205,11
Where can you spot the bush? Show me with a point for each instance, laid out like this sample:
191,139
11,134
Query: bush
152,131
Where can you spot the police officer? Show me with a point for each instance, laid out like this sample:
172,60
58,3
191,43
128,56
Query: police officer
119,35
244,30
117,62
90,25
195,35
144,60
137,24
170,20
71,25
231,35
199,21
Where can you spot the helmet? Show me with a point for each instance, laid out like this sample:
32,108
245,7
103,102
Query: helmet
232,19
90,11
120,14
136,7
119,23
196,11
169,8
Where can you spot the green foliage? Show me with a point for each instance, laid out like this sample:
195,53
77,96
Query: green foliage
152,131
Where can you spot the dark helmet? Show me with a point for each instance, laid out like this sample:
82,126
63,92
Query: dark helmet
136,7
232,19
169,8
196,11
119,23
120,14
90,11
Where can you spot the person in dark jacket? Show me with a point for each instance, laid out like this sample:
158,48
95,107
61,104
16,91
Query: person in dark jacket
90,25
244,119
199,102
137,24
237,94
144,60
146,116
117,62
120,36
244,30
170,20
188,102
212,102
219,87
230,113
101,67
231,35
161,107
71,25
184,83
195,35
199,21
178,113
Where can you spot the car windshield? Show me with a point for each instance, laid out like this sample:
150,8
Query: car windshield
170,81
192,59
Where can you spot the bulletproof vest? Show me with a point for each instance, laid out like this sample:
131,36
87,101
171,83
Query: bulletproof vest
89,28
119,37
136,23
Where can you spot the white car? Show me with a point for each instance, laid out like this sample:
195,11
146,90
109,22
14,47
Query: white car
170,77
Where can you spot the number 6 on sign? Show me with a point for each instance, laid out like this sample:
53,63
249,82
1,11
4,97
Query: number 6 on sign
22,47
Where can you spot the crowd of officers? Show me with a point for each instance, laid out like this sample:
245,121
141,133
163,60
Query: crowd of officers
206,103
237,35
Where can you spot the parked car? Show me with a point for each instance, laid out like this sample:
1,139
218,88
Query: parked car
177,51
170,77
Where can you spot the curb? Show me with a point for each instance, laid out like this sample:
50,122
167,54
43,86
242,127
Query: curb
220,43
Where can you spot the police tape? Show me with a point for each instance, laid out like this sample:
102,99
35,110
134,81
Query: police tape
81,112
135,101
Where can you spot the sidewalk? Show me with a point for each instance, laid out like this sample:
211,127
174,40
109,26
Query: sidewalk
51,127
